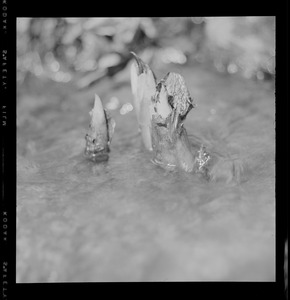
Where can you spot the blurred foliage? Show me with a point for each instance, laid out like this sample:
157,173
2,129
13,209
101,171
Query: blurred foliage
89,49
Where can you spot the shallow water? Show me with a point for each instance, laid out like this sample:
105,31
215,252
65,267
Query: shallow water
128,219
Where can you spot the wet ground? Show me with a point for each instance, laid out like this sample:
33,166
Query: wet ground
128,219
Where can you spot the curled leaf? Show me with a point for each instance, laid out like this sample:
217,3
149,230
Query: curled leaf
143,85
180,98
161,103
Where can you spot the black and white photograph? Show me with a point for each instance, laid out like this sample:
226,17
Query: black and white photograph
145,151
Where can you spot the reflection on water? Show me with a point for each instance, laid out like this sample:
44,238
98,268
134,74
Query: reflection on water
128,219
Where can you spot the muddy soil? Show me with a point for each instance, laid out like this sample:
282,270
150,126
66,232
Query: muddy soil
129,220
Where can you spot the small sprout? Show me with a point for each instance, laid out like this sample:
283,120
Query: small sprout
100,133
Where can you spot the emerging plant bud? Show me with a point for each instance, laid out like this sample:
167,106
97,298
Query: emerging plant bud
170,141
143,85
100,133
161,110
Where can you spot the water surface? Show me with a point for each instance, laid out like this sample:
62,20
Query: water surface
128,219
